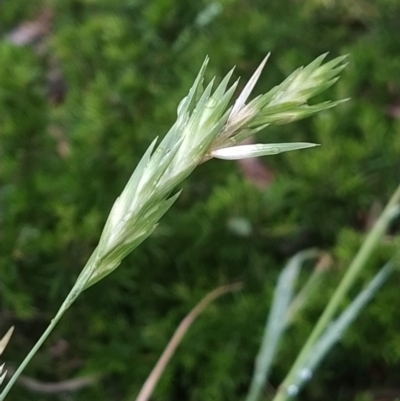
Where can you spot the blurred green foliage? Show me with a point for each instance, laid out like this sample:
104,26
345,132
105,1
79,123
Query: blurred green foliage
124,66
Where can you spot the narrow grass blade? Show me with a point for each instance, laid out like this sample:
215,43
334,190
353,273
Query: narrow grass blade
358,263
276,322
336,329
309,287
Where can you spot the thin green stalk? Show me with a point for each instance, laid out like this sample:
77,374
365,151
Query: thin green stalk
31,354
69,300
360,260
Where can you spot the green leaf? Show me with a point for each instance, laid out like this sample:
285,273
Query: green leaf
336,329
277,322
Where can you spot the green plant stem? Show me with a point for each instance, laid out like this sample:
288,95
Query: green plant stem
69,300
31,354
360,260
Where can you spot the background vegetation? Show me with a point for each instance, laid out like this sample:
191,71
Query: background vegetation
85,86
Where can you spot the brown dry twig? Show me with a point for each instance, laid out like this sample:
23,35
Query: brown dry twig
151,381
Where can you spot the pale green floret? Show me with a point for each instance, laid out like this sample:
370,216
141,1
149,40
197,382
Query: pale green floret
258,149
206,127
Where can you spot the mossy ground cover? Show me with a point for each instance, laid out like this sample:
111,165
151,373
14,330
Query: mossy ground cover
69,143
